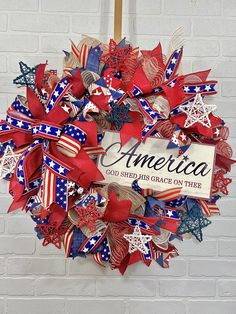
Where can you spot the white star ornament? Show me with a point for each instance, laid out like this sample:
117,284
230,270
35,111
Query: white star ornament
137,241
198,111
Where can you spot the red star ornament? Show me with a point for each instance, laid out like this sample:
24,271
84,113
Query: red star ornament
220,183
116,57
52,234
88,216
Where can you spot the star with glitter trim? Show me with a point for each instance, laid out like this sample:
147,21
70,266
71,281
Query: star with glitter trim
88,215
27,77
8,162
193,220
137,241
119,115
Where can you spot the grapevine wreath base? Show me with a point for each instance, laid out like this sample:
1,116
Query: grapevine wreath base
51,139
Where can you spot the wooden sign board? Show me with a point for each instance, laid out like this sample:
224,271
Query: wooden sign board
157,167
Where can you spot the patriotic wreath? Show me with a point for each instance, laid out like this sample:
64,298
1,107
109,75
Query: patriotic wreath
51,138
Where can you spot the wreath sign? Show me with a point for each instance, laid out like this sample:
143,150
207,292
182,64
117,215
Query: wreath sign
52,139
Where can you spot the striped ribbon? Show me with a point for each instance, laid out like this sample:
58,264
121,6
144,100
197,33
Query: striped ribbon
59,91
20,172
165,196
209,208
72,138
173,63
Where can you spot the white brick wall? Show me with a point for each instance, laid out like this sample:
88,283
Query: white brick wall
36,280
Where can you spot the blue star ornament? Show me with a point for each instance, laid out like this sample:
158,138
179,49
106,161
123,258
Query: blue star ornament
119,115
27,76
193,220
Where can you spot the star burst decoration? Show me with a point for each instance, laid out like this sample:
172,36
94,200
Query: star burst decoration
88,215
119,115
137,241
193,220
8,162
197,112
27,77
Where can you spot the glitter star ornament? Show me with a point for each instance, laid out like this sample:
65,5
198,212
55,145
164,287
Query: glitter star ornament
119,115
193,220
198,112
8,162
137,241
27,78
220,183
88,216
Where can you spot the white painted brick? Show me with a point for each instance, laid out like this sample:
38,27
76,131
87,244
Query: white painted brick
213,27
3,63
221,227
3,22
201,48
187,288
2,306
82,266
55,43
156,306
15,5
3,108
227,207
232,188
126,287
20,224
160,25
80,6
7,86
35,266
16,286
187,7
49,249
84,24
210,41
86,266
18,43
212,268
54,62
177,268
194,248
218,68
39,23
229,7
35,306
17,245
225,108
135,6
63,287
89,306
228,89
2,265
227,247
229,48
227,288
2,225
211,307
5,201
